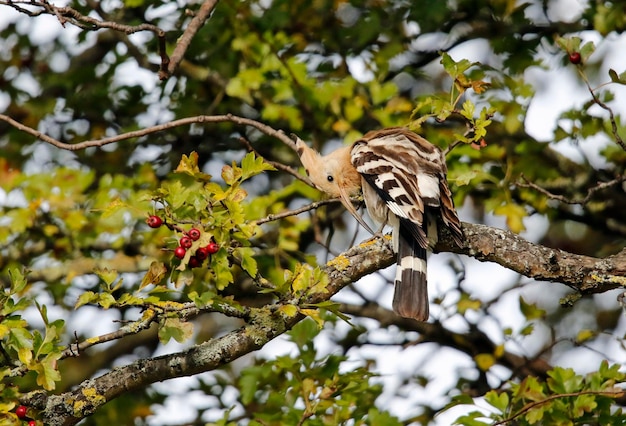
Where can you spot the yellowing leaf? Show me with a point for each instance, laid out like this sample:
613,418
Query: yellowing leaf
25,355
86,297
498,351
484,361
514,216
341,126
467,303
154,275
584,335
238,195
530,310
107,275
480,86
288,310
114,206
47,373
228,174
314,314
189,164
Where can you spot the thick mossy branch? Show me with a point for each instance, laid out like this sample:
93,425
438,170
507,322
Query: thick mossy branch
583,273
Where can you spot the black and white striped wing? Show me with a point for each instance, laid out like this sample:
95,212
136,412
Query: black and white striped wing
406,172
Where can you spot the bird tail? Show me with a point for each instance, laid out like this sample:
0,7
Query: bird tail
410,299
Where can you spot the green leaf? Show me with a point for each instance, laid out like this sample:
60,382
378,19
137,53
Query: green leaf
471,419
615,78
584,404
18,280
19,336
465,177
221,268
460,399
530,310
536,414
106,300
251,165
564,380
499,400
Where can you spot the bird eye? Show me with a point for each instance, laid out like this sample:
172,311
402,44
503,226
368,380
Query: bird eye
330,178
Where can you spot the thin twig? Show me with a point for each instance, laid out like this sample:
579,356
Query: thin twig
295,212
605,107
563,199
74,17
200,17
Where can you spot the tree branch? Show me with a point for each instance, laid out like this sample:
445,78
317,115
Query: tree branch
184,41
590,192
264,128
583,273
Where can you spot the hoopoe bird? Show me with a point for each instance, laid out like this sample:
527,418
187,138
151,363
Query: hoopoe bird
403,180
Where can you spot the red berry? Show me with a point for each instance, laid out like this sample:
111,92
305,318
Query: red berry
212,247
20,412
575,58
194,234
179,252
32,423
194,262
154,221
202,253
185,242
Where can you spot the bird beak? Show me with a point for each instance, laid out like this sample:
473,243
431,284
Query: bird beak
345,200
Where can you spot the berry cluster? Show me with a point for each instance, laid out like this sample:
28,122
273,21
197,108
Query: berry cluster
22,413
185,243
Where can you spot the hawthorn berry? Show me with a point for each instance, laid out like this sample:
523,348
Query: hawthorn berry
212,247
179,252
575,58
194,234
154,221
20,412
186,242
194,262
202,253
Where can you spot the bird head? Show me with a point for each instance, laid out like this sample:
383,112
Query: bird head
333,174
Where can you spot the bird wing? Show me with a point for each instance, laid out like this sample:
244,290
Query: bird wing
407,172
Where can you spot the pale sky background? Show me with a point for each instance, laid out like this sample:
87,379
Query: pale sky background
558,90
